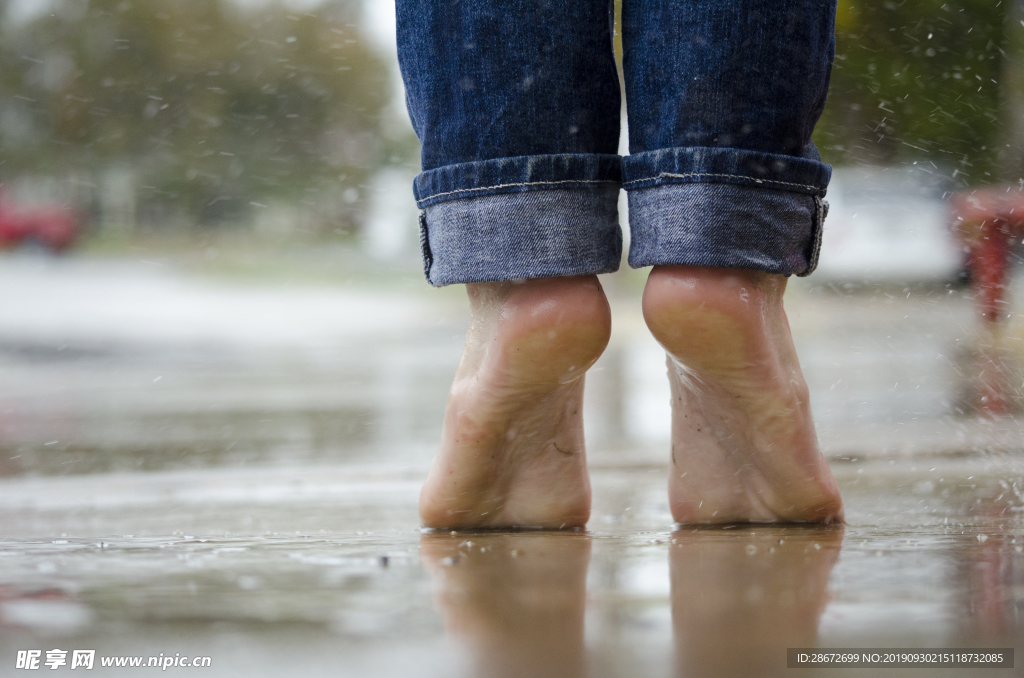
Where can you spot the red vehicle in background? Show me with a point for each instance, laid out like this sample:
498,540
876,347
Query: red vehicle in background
51,226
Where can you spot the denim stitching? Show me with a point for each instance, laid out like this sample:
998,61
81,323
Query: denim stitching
820,213
428,255
530,183
730,176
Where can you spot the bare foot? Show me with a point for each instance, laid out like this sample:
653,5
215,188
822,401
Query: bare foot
512,444
743,441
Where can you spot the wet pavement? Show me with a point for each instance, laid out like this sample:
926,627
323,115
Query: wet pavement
245,489
323,571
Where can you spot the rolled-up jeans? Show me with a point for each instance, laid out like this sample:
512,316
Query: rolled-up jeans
517,106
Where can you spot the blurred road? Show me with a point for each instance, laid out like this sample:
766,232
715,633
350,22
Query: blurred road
115,364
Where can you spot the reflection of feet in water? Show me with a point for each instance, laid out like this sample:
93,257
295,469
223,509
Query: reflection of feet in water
518,603
512,444
743,442
741,597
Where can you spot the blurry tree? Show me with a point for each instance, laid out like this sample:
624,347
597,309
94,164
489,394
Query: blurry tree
921,80
212,106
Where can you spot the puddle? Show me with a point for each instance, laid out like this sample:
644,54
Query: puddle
351,581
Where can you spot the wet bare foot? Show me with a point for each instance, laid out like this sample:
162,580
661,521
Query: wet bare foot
511,450
743,441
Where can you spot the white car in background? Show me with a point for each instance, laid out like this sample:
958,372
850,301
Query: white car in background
888,224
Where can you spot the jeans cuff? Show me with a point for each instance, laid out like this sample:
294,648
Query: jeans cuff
528,234
726,226
517,175
699,164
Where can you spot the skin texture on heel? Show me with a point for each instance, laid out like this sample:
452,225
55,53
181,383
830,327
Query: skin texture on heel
512,451
744,447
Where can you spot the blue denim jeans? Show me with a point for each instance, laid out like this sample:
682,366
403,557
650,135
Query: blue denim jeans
517,106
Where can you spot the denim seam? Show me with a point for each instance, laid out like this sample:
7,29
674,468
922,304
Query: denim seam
820,213
729,176
428,255
529,183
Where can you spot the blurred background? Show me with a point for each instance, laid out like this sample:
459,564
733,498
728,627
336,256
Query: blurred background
213,321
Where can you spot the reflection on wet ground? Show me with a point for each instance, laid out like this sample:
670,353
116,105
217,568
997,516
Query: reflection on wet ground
248,492
325,570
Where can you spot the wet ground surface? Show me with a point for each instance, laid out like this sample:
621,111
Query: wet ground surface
196,467
323,571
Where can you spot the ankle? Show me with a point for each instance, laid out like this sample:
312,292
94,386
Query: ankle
549,330
687,305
